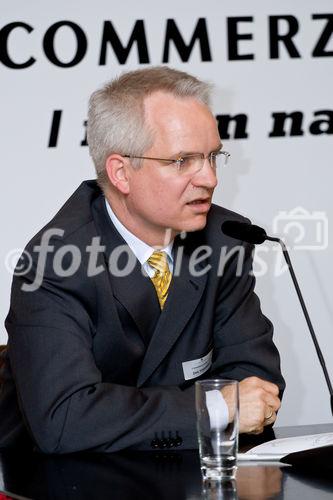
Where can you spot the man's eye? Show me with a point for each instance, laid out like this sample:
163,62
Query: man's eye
186,160
180,162
214,158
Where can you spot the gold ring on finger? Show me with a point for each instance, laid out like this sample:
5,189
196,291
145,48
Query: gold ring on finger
269,416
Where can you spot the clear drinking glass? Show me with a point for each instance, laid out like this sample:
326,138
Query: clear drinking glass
217,427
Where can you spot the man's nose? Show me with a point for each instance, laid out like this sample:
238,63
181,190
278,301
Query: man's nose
206,177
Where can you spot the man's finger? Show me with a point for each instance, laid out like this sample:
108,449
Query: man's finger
270,419
258,430
270,387
264,384
272,401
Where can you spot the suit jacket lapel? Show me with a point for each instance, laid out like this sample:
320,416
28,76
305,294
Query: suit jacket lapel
184,295
133,290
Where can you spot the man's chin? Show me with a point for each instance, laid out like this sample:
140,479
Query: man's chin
196,225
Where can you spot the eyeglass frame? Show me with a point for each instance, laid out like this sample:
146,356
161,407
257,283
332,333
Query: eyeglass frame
181,159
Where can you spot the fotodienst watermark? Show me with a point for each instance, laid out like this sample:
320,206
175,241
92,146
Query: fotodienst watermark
300,229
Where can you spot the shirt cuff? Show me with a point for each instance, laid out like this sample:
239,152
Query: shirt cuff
217,409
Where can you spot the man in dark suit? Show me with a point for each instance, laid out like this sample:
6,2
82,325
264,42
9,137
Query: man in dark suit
134,292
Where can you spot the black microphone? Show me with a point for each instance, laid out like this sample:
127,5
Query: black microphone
257,235
244,231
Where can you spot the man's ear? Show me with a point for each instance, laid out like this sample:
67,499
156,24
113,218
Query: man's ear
116,169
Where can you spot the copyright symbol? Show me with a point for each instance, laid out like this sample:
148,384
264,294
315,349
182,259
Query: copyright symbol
18,262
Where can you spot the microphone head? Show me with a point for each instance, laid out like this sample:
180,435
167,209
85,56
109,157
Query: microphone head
244,231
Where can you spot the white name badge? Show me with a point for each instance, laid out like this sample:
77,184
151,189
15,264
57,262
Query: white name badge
197,367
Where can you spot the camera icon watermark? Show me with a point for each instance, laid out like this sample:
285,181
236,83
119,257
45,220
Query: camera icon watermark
301,229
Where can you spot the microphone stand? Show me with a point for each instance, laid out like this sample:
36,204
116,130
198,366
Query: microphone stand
306,314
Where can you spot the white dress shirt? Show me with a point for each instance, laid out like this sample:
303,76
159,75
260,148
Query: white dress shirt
141,250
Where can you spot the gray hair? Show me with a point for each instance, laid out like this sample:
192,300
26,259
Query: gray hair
116,121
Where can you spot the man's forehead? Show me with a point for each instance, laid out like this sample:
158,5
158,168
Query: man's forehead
167,99
166,110
181,126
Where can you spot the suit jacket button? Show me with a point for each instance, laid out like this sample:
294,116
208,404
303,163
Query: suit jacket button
164,442
171,441
178,440
155,443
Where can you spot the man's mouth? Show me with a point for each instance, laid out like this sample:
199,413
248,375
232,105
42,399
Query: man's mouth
200,205
199,201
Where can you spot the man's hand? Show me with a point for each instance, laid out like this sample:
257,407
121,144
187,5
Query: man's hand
258,404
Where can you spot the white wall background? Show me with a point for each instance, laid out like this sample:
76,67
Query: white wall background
266,175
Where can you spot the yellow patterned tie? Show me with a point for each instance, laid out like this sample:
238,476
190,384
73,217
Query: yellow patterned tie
162,276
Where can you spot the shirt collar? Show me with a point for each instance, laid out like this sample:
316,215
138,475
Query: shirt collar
141,250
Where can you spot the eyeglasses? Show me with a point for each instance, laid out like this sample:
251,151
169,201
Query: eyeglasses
192,163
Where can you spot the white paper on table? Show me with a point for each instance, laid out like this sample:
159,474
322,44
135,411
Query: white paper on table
278,448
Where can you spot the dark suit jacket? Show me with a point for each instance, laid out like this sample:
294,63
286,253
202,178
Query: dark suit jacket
93,364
